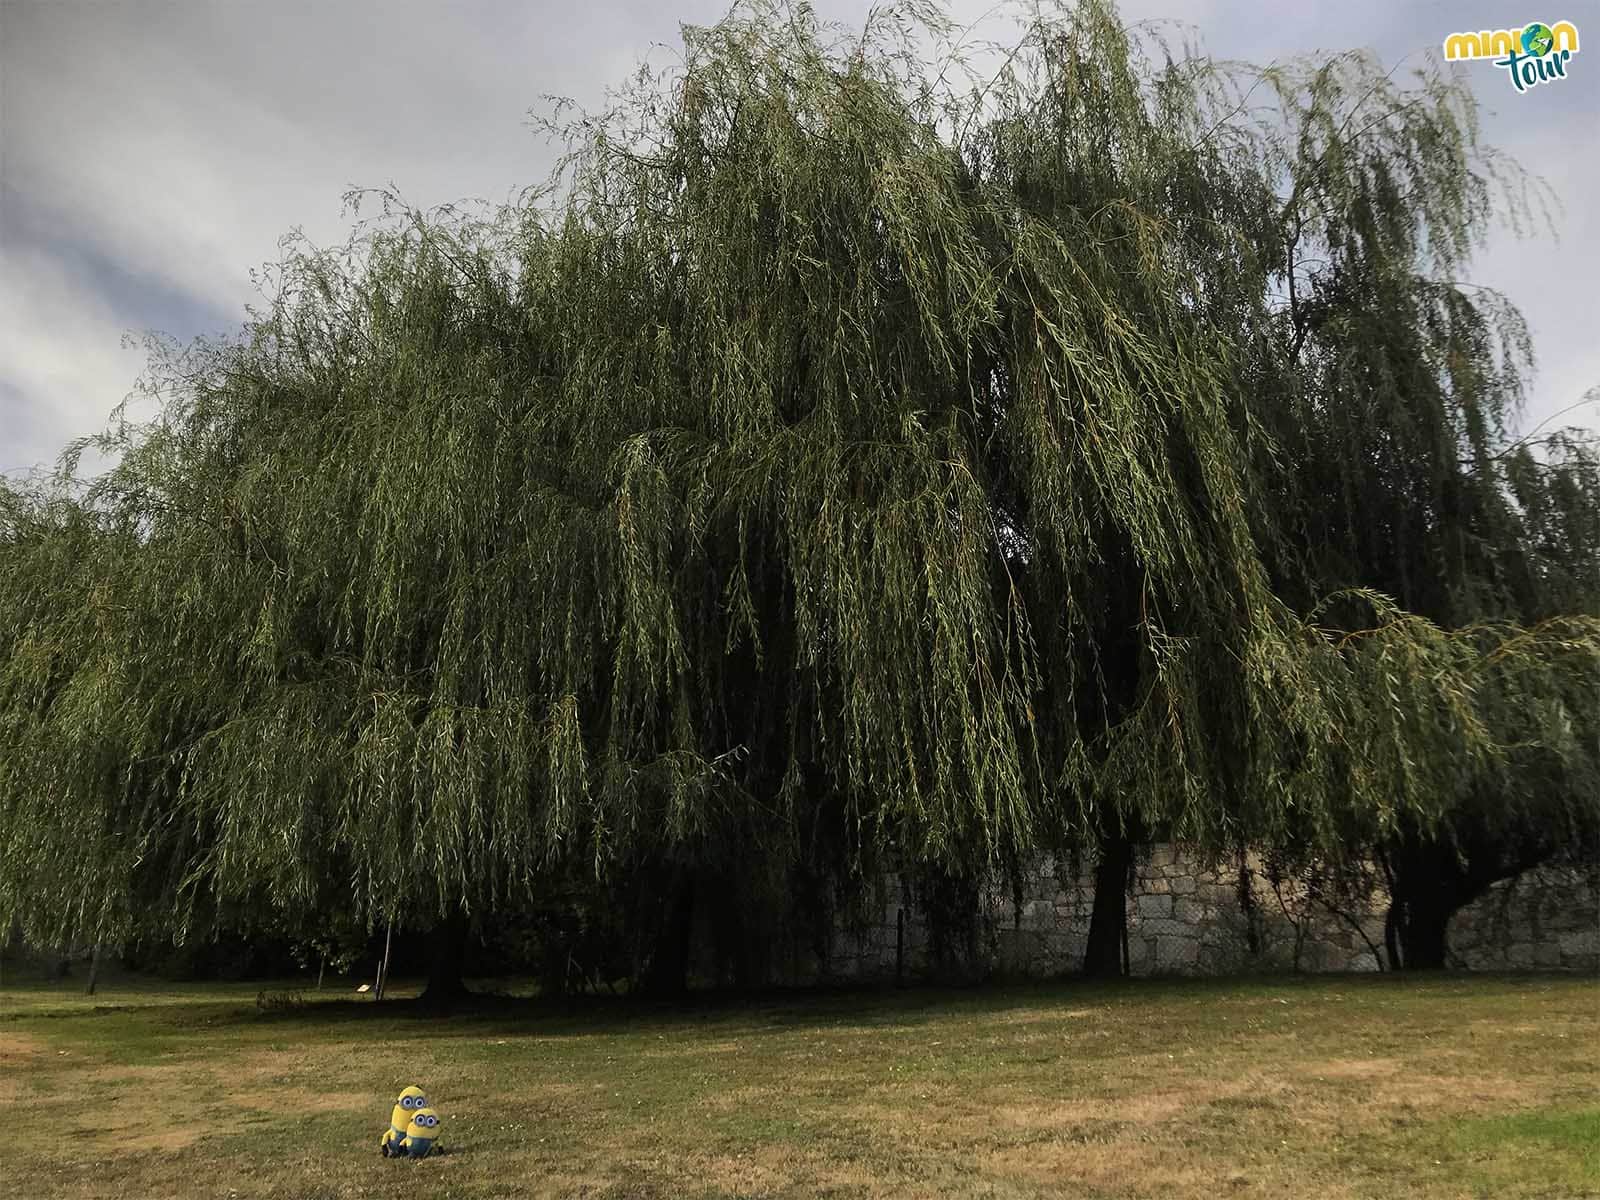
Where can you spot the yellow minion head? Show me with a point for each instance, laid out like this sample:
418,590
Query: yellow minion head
421,1132
411,1100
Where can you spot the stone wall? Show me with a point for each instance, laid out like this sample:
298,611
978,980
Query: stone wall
1546,918
1188,917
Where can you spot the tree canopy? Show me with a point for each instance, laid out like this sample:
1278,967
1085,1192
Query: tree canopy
842,462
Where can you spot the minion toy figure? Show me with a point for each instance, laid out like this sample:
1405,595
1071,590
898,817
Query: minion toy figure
421,1133
411,1101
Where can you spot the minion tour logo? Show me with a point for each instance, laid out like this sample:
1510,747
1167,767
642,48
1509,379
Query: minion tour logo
1535,54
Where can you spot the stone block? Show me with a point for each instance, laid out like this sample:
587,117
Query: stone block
1039,912
1586,941
1361,961
1184,885
1154,906
1141,954
1191,912
1164,927
1177,953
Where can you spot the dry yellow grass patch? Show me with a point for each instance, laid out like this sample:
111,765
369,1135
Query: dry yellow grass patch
1336,1089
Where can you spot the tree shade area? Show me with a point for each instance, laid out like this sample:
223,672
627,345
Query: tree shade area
844,464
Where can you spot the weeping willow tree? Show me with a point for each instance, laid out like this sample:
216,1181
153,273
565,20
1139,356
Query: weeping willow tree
1390,386
835,470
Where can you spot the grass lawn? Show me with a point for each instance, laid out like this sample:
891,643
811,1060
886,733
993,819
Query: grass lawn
1327,1087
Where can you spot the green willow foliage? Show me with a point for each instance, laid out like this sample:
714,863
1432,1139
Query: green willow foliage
1401,379
1388,385
835,465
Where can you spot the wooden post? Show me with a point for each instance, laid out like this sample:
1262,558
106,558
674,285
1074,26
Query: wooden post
383,967
900,947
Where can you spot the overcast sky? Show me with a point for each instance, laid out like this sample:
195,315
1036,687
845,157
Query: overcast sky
152,152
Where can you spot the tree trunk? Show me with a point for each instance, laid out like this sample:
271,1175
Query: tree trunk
668,972
1424,938
1108,924
1426,895
447,944
1431,878
94,972
1428,885
1391,936
900,946
741,929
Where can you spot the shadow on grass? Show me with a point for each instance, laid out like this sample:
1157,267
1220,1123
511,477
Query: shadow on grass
736,1013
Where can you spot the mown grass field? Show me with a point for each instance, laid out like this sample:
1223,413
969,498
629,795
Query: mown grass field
1326,1087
